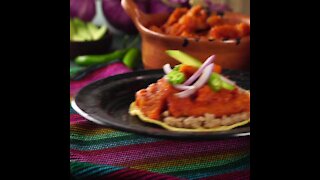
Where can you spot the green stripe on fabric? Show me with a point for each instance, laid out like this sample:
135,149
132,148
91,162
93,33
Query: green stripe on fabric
92,171
198,175
241,164
102,173
100,141
80,137
83,170
172,169
185,160
76,166
223,171
88,129
110,143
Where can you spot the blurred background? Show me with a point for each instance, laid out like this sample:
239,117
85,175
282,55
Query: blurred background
242,6
102,32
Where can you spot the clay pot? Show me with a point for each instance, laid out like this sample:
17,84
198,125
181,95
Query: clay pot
230,54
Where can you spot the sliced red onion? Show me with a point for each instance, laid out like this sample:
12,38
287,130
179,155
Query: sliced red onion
74,8
175,3
186,93
118,18
203,79
182,87
84,9
167,68
218,7
159,6
178,1
199,71
227,80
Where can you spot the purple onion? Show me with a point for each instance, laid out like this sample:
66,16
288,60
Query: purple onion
184,3
182,87
166,68
117,16
158,6
83,9
73,8
186,93
218,7
165,6
199,71
179,1
203,79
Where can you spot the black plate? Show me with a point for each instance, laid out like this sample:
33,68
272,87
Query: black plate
106,102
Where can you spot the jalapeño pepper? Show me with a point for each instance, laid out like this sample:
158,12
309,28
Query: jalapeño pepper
176,77
88,60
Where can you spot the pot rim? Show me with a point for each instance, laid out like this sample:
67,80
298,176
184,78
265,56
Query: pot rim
232,15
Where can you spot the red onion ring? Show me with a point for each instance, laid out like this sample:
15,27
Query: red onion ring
199,71
182,87
167,68
203,79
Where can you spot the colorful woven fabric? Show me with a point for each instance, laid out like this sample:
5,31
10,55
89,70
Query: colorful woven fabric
98,152
110,70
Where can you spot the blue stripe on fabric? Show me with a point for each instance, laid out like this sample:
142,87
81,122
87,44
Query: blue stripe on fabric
83,138
96,169
97,172
72,111
107,172
208,174
90,147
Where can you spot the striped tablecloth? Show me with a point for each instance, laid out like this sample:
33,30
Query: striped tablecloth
98,152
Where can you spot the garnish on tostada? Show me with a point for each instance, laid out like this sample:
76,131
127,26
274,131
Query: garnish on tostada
193,97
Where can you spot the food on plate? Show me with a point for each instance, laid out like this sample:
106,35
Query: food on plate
197,22
192,97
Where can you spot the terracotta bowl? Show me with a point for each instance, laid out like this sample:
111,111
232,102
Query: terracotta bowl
100,46
230,54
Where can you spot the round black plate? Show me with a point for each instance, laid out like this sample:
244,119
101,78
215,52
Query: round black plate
106,102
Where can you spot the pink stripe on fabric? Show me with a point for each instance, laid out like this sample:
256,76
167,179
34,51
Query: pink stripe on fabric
109,70
76,118
158,149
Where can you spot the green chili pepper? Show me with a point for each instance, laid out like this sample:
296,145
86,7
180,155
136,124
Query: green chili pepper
74,70
215,82
227,86
131,57
88,60
176,77
176,67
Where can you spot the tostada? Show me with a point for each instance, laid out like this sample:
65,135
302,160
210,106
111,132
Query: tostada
192,97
